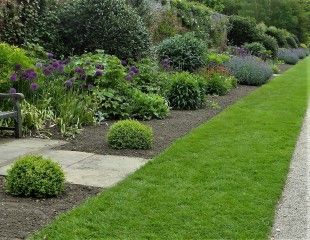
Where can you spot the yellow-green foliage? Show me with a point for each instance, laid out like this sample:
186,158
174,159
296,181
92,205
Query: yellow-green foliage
9,57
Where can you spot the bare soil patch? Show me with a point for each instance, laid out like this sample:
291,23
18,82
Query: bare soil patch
22,216
93,138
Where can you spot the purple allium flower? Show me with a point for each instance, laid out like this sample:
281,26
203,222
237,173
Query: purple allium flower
98,73
47,71
12,90
17,67
128,77
50,55
166,63
34,86
134,69
55,64
13,77
79,70
124,63
61,68
29,74
69,83
100,66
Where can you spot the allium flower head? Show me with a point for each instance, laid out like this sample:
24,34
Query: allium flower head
29,74
12,90
69,83
79,70
34,86
47,71
55,64
98,73
50,55
134,69
13,77
124,63
128,77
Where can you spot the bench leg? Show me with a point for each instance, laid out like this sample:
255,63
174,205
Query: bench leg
18,129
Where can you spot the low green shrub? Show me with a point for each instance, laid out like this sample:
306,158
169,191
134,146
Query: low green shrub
186,52
186,91
217,84
130,134
255,48
270,43
35,176
217,58
111,104
279,35
241,30
151,78
148,106
291,41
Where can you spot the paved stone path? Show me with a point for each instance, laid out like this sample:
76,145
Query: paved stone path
292,219
80,167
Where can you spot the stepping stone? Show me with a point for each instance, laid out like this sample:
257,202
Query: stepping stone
12,149
80,167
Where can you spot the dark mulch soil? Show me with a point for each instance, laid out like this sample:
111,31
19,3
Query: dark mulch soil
93,138
21,216
284,67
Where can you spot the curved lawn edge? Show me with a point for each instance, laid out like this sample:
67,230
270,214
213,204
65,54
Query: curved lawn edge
222,180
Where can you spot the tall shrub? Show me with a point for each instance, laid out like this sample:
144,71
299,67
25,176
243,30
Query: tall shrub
32,21
241,30
186,52
111,25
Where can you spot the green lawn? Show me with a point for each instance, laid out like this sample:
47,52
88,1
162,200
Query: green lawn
223,180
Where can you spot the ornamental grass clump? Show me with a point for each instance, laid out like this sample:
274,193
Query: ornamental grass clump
249,70
130,134
35,176
289,56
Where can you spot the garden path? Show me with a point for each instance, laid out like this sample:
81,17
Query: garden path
292,219
80,167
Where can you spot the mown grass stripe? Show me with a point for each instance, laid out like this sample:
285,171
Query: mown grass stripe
221,181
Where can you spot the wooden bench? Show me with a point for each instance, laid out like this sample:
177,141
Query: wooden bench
15,114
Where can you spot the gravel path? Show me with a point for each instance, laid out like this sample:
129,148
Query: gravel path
292,219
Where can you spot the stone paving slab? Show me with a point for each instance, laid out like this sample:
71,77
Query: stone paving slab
79,167
12,149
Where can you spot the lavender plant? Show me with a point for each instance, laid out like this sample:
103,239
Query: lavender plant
249,70
289,56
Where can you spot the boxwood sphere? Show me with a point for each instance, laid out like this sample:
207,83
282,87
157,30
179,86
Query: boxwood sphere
110,25
35,176
130,134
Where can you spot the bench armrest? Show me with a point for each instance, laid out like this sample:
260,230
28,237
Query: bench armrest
14,96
